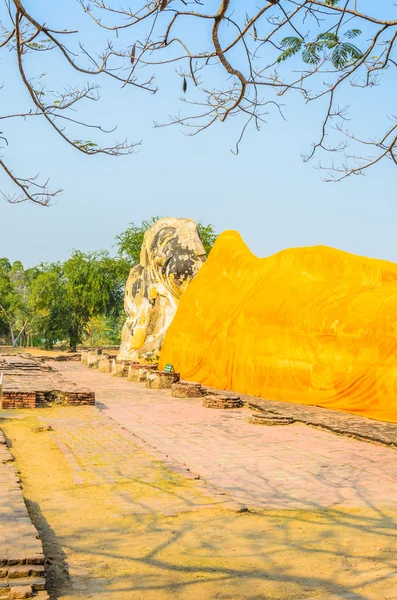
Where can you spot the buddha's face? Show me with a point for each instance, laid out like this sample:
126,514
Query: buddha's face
177,254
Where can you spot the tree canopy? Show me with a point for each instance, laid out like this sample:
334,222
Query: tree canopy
15,311
68,295
234,59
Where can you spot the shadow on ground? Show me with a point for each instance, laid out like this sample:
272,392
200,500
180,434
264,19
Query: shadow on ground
121,539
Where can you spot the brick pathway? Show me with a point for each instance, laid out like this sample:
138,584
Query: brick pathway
101,452
267,467
21,552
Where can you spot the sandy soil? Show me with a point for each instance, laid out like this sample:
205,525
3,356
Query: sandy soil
32,351
94,551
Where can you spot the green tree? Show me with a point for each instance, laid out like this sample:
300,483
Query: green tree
130,241
15,315
68,295
106,330
6,297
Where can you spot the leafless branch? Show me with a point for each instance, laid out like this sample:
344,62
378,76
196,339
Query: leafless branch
230,63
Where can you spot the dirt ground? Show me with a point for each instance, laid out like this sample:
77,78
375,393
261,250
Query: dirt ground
95,551
33,351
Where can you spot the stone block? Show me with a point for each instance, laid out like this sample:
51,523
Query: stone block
220,401
105,364
269,419
186,390
119,368
21,591
138,373
28,570
93,358
157,380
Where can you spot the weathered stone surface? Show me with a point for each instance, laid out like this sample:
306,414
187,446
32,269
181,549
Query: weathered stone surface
105,364
269,419
93,358
18,571
70,356
138,373
84,357
342,423
221,401
119,368
158,380
171,255
21,591
184,389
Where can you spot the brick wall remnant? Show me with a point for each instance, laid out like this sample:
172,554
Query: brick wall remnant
28,383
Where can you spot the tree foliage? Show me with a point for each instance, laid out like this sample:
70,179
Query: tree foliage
68,295
233,58
15,314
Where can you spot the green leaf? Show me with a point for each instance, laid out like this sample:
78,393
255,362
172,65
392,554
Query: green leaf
327,40
293,46
310,54
352,33
345,53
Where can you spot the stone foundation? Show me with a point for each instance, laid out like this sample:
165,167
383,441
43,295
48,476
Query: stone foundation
219,401
138,373
105,364
27,383
158,380
119,368
187,390
93,357
269,419
72,356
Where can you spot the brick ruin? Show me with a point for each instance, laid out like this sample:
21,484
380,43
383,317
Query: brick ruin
32,383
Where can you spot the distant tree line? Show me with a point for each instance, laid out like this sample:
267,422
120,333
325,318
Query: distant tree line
76,301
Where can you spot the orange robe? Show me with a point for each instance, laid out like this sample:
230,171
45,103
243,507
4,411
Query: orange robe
308,325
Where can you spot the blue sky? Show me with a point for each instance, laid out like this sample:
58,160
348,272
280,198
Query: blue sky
267,192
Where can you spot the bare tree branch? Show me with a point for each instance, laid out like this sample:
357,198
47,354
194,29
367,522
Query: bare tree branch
231,64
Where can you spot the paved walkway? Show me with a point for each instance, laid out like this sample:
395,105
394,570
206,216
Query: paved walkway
265,467
102,452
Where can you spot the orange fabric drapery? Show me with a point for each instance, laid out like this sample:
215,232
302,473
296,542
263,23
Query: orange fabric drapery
308,325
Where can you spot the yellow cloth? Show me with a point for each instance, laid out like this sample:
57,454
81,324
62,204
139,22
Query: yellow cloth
309,325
